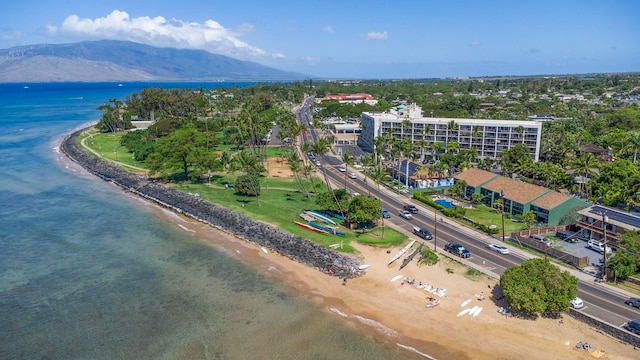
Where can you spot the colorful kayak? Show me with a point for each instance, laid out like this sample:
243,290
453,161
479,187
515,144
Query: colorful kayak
328,229
307,226
322,218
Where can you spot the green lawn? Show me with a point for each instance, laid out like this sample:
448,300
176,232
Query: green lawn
108,145
282,207
483,214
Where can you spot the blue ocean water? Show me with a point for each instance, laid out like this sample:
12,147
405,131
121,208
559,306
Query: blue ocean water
88,273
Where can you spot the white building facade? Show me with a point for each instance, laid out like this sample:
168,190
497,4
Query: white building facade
489,137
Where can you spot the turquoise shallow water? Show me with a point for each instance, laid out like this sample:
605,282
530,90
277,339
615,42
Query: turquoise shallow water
87,273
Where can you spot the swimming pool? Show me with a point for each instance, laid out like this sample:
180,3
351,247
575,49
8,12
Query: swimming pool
446,203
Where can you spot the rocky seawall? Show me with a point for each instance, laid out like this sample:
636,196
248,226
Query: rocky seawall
282,242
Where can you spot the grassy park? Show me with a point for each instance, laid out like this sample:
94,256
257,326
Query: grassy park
281,200
282,207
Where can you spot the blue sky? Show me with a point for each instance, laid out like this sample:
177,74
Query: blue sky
356,39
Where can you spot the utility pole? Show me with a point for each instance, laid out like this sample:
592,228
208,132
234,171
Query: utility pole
435,229
502,212
604,245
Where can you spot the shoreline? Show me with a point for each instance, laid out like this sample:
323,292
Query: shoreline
396,314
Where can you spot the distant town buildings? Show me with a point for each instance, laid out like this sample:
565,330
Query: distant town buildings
350,98
488,137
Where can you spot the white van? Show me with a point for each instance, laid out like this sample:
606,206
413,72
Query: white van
597,246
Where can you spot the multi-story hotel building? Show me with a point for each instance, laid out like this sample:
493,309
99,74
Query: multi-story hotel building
489,137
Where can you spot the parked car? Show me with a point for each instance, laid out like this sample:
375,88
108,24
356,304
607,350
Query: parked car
568,236
405,214
635,302
386,214
352,175
457,249
633,326
498,248
423,233
597,246
411,208
577,303
541,239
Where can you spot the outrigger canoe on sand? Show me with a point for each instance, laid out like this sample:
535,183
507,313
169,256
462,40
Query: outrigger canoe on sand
401,252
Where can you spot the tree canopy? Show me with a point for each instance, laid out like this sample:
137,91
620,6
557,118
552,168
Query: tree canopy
537,286
363,210
182,149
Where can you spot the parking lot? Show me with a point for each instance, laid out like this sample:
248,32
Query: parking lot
579,249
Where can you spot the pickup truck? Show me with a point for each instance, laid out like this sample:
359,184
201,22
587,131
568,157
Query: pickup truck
457,249
423,233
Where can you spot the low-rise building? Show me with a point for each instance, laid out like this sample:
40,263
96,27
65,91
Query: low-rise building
597,219
550,207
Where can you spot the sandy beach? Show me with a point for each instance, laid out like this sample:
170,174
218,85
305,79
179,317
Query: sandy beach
395,313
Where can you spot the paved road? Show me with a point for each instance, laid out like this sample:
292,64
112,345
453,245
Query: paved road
601,301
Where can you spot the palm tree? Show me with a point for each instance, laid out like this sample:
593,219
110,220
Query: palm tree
250,164
367,162
226,160
294,164
520,131
451,126
472,154
378,175
586,164
437,148
453,146
404,125
477,132
422,145
406,148
633,144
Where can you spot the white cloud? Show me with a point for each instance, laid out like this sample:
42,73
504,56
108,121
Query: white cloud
158,31
278,56
475,43
246,29
374,35
328,29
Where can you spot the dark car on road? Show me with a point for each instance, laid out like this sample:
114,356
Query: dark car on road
633,326
423,233
635,302
386,214
457,249
411,208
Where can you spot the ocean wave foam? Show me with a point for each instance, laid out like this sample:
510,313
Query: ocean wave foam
338,312
378,326
412,349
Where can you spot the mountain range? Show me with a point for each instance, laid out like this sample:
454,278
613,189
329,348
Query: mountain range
113,60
